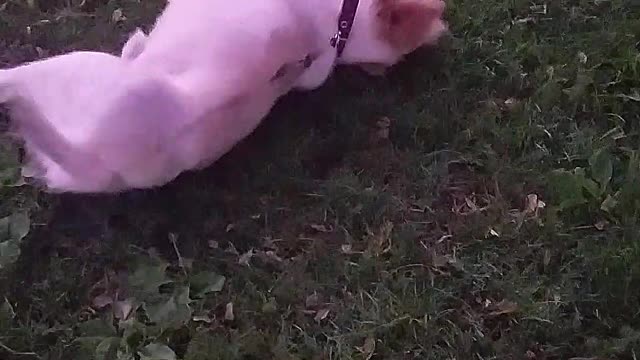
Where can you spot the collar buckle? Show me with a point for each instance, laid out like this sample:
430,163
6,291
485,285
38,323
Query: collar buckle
338,39
345,23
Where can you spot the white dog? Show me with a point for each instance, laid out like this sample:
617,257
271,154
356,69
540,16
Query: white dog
202,80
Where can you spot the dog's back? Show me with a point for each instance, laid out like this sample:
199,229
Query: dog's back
238,43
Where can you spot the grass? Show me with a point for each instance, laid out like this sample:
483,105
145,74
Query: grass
481,202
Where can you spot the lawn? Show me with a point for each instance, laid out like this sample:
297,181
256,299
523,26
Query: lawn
480,202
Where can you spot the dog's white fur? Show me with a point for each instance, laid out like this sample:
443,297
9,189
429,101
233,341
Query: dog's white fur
182,96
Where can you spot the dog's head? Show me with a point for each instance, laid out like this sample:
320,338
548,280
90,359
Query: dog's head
386,30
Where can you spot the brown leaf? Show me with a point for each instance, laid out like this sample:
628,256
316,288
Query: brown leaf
472,205
534,204
510,102
369,348
383,123
504,307
380,242
270,306
202,318
346,248
439,261
122,309
118,16
546,258
271,255
228,312
321,315
246,257
312,301
102,301
380,134
321,228
600,225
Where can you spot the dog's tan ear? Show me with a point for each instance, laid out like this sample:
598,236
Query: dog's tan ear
406,24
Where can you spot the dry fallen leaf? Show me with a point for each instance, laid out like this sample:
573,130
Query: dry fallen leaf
102,301
202,318
118,16
439,261
504,307
346,249
582,57
312,301
271,255
122,309
380,132
228,312
321,228
600,225
383,123
246,257
383,126
270,306
471,204
369,348
321,315
546,258
534,204
510,102
380,242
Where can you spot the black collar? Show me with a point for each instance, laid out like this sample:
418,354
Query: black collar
345,23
